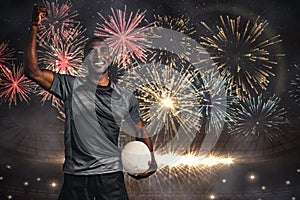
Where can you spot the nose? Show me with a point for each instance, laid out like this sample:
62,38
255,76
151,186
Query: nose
98,54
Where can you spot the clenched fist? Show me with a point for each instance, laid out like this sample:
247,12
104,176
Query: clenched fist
38,15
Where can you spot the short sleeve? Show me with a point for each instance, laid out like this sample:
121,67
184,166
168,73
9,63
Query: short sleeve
62,85
134,110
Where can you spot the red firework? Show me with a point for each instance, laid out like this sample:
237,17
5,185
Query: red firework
59,16
55,102
6,55
15,86
127,42
64,52
46,96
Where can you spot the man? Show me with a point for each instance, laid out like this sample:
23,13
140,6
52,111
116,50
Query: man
95,108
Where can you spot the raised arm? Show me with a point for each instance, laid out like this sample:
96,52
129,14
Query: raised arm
43,77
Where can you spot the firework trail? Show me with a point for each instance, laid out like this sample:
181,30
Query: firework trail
127,42
6,55
240,52
295,83
189,173
15,86
258,116
193,167
59,16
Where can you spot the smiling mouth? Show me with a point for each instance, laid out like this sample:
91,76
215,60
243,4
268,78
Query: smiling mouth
99,63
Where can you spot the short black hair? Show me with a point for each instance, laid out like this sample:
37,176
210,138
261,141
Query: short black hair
90,41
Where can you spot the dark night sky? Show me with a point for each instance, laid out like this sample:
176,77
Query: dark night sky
283,17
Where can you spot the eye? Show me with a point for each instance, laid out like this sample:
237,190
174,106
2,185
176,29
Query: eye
91,51
104,51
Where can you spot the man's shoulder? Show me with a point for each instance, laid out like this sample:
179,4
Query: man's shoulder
70,81
64,76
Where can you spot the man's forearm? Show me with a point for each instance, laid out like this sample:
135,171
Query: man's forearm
42,77
147,141
143,135
31,57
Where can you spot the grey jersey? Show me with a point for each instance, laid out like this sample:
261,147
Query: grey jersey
93,118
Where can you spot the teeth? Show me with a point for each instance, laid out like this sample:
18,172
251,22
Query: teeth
99,63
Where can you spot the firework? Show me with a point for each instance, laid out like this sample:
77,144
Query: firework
170,93
15,86
64,52
127,42
256,116
6,55
180,25
46,96
55,102
213,106
59,16
168,103
295,91
240,53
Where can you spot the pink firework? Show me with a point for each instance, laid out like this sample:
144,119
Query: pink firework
127,42
64,52
55,102
46,96
59,16
6,55
15,86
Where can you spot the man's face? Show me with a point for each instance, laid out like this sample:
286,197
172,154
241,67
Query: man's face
98,58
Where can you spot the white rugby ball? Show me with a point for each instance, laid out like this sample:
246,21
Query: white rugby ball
135,157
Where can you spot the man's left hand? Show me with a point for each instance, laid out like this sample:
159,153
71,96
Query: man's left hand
152,169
